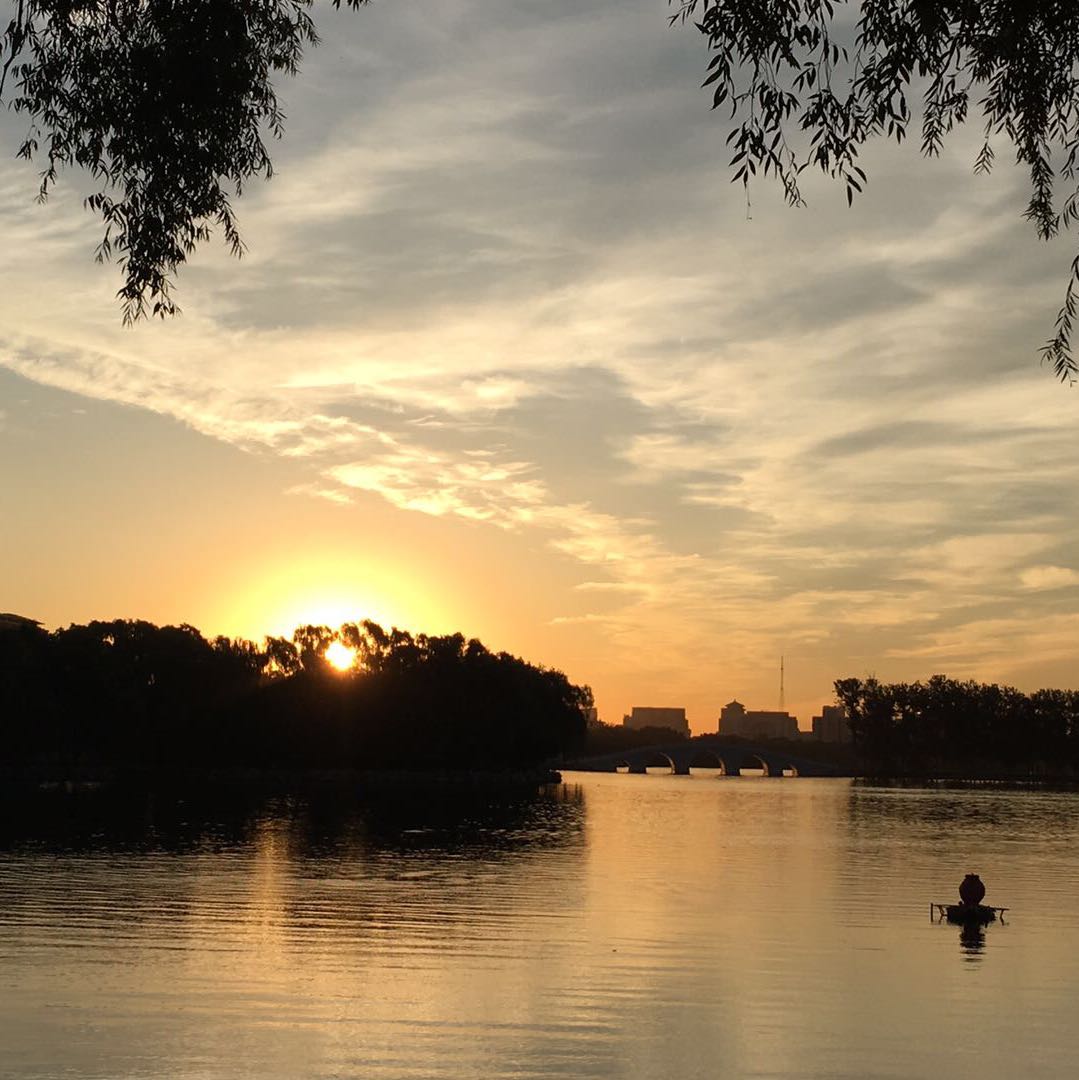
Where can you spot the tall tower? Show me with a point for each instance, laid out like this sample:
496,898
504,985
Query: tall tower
782,701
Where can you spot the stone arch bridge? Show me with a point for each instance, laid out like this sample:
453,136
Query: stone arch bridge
728,756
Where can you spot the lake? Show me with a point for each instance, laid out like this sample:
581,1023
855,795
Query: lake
618,926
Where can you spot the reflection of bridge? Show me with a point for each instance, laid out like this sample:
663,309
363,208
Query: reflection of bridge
728,756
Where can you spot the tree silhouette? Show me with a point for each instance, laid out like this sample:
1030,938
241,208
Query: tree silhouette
310,643
167,104
807,92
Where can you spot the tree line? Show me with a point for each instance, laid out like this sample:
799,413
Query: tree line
129,695
945,727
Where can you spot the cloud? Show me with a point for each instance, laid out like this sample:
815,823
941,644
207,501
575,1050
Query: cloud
437,483
1048,577
315,491
657,455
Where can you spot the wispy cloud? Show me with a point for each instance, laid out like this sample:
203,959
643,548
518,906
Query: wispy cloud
1048,577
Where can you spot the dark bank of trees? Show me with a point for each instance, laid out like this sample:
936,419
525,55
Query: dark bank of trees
129,696
944,727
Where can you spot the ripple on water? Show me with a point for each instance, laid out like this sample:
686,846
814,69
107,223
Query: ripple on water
624,926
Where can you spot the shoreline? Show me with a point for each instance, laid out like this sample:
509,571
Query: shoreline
300,781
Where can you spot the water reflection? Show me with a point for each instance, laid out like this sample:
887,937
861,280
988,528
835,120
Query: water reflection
143,936
628,927
972,935
332,823
972,941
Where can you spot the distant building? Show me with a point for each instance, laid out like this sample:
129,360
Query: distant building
832,725
735,719
8,621
647,716
591,715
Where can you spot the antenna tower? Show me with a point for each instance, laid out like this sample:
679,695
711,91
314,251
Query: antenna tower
782,701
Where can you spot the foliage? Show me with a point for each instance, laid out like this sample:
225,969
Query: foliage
131,695
807,90
165,103
947,727
610,738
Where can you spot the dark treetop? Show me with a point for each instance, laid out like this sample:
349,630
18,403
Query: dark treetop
945,727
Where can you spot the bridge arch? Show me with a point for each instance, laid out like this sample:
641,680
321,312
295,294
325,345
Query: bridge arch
658,759
704,758
754,761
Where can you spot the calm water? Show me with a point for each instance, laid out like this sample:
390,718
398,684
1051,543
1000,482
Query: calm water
625,926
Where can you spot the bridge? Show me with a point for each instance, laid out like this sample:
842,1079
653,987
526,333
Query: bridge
729,757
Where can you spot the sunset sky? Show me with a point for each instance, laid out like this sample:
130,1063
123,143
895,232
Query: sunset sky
509,354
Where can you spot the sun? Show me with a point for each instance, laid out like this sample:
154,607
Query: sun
340,656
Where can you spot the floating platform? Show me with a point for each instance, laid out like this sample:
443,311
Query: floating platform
966,914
